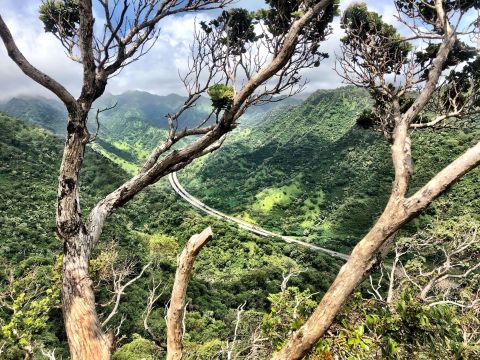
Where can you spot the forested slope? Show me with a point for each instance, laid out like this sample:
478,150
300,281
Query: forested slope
131,123
302,170
307,171
311,171
235,267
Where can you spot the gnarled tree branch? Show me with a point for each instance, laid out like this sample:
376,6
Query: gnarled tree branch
176,308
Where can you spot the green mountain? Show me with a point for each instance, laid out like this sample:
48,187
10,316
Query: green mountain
301,169
47,113
135,124
150,108
128,131
130,107
312,172
235,267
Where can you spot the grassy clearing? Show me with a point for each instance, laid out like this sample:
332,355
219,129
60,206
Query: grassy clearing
270,197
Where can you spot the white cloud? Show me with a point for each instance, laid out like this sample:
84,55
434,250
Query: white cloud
42,50
157,72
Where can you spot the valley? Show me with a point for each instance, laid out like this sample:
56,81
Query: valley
303,177
240,180
172,178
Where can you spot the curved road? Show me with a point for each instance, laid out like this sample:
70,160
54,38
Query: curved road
244,225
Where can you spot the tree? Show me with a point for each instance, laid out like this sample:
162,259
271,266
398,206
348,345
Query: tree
411,90
176,308
426,304
28,299
221,54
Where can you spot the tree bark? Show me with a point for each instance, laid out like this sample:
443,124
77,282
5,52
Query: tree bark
85,336
361,261
176,308
399,210
365,254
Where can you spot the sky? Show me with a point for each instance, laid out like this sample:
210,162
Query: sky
157,72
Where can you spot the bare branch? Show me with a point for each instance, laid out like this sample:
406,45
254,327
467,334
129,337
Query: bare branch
119,288
240,309
176,308
31,71
445,178
153,297
156,167
97,120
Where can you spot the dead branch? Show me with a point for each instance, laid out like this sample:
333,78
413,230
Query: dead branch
231,346
97,120
153,297
176,308
119,275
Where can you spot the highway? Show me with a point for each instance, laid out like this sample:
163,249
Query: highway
179,189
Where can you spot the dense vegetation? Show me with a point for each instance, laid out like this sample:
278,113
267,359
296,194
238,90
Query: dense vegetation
234,268
309,172
47,113
133,124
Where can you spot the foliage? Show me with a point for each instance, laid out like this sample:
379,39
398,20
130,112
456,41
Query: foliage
426,9
209,349
163,247
368,329
60,17
27,301
408,328
138,349
365,28
281,14
330,190
237,27
459,53
288,311
221,96
460,88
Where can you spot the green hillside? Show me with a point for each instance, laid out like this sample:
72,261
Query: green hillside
312,172
47,113
128,131
302,170
306,171
29,162
235,267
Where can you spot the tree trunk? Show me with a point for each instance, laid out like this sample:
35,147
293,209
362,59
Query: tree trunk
367,252
176,309
85,336
359,265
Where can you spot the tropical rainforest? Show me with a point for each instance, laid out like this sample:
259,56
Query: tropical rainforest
315,195
299,174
